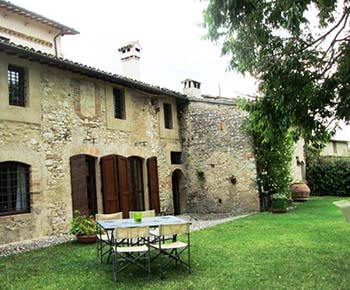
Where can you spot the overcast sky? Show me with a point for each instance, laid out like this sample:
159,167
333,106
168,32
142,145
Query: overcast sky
169,32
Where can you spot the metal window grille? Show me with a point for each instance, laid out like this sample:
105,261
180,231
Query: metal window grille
119,103
14,188
16,83
168,118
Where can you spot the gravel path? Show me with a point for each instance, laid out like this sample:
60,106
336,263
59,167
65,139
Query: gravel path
205,221
198,221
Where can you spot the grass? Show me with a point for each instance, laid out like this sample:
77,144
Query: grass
307,248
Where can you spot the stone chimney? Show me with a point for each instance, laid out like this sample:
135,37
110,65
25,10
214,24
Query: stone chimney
130,55
191,88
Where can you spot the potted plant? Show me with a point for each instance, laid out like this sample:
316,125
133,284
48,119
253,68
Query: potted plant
279,203
300,191
84,227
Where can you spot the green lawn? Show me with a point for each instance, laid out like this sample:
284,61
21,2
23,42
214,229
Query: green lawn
308,248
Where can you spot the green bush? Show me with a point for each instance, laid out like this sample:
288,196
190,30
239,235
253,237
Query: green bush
279,201
329,176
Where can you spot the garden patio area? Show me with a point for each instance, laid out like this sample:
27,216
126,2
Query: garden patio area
308,248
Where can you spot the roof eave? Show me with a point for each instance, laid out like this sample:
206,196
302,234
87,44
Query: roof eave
64,64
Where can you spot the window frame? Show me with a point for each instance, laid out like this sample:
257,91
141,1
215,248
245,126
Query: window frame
17,85
119,106
9,185
168,116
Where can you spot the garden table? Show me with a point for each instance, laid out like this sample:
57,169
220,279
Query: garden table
108,227
152,222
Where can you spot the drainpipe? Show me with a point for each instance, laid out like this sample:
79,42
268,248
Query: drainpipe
55,43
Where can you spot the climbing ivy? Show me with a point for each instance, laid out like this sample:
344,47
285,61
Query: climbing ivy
273,148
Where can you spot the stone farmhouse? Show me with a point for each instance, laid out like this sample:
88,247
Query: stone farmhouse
74,137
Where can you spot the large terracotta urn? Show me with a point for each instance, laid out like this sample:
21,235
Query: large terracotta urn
300,191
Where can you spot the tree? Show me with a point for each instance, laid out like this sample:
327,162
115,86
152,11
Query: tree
299,51
303,71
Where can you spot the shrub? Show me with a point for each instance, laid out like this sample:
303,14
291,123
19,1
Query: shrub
279,201
82,225
329,176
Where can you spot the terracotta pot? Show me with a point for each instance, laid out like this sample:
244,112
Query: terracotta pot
87,239
300,191
278,210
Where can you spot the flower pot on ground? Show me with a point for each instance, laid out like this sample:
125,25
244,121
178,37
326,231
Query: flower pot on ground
279,203
84,227
300,191
87,239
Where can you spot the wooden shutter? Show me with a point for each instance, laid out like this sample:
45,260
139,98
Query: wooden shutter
123,183
110,190
78,171
153,187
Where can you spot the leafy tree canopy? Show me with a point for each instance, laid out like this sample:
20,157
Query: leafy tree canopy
299,51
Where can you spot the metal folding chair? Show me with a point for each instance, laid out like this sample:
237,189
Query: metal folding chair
147,213
174,248
125,254
105,239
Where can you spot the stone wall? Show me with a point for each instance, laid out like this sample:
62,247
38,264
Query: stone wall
74,117
218,158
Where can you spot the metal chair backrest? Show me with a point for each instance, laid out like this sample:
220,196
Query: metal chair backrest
132,233
145,213
109,216
175,229
344,206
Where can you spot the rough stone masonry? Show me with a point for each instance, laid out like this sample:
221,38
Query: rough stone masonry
218,158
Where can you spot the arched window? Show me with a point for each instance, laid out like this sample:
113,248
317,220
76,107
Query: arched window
14,188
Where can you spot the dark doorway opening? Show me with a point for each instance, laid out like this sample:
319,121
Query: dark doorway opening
177,179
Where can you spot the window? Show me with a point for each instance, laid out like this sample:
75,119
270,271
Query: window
168,116
14,188
119,103
175,157
17,89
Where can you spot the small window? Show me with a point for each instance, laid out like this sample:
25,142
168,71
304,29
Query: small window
175,157
168,116
16,83
119,104
14,188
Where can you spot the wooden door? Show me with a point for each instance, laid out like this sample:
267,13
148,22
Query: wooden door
123,184
78,171
110,189
153,185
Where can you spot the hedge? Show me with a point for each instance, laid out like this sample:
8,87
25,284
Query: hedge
329,176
